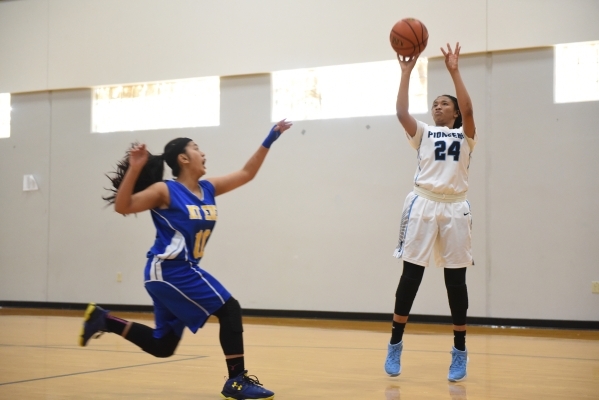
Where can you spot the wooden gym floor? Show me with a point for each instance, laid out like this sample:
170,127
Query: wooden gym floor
297,359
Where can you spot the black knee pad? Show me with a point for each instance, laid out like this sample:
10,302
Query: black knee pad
229,316
405,295
413,271
458,303
231,327
455,276
142,336
165,346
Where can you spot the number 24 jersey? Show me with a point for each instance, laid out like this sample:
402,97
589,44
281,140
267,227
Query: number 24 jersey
443,158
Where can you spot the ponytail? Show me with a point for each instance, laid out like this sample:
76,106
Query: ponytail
151,173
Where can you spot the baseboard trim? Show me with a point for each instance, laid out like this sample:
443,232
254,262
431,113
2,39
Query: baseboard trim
334,315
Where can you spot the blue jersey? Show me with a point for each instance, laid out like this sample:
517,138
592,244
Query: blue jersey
183,229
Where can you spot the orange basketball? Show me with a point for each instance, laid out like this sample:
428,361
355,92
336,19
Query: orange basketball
409,37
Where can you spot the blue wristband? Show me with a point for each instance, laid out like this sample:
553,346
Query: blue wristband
272,136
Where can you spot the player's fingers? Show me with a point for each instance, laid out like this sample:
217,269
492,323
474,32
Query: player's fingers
443,51
449,48
457,49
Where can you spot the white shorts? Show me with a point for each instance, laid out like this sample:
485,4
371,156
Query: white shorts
428,225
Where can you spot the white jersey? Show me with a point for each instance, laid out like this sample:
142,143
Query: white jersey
443,158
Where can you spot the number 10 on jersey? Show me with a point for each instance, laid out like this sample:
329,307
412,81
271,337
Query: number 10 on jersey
201,239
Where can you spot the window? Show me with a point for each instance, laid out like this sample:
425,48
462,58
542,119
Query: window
576,72
161,105
345,91
5,115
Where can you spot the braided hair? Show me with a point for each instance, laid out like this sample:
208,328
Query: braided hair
152,171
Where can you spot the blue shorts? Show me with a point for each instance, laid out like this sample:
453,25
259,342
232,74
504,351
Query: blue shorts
184,295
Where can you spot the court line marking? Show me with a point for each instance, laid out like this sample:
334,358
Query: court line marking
311,347
419,351
98,370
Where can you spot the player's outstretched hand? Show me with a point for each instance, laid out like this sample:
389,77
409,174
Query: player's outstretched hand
138,156
283,125
451,57
276,131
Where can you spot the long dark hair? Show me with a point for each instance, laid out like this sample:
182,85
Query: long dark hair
458,121
152,172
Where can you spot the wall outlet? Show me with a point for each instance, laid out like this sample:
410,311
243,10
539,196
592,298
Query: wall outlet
595,287
119,277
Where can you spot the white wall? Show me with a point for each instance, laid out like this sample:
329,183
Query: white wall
542,208
24,216
316,229
60,44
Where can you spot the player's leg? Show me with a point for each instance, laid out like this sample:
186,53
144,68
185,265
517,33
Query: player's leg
457,294
407,288
205,296
417,237
454,253
239,385
157,342
404,298
231,336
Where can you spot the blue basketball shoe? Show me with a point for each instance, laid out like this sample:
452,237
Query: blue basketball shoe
94,323
393,360
457,369
245,386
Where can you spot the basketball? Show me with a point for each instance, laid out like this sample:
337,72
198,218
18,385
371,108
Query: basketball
409,37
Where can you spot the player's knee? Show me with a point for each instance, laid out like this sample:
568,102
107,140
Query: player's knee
405,295
458,296
165,346
458,303
412,271
163,353
231,327
229,316
455,276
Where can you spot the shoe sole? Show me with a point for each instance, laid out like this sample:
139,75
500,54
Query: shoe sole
457,380
261,398
88,312
393,375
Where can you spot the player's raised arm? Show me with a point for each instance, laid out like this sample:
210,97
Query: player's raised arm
403,101
464,101
226,183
